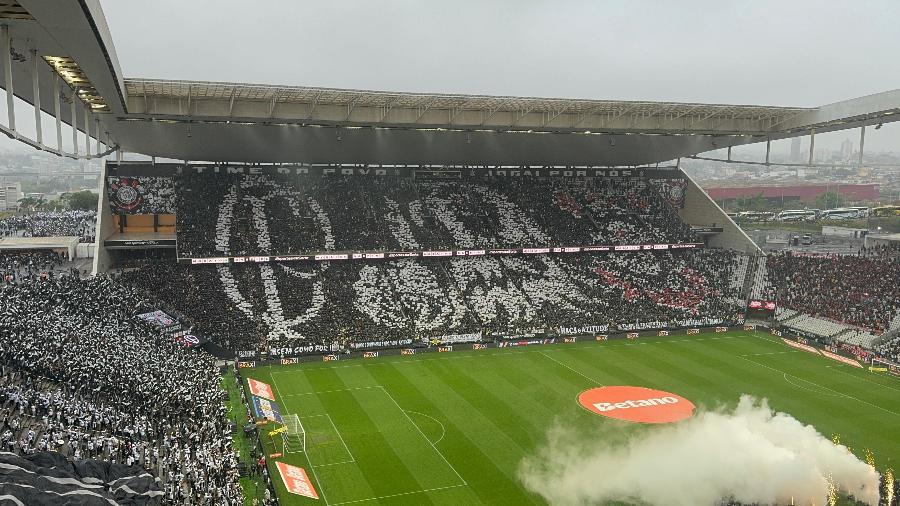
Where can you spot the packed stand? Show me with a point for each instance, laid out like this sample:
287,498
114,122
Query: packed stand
338,305
81,224
860,291
83,376
249,215
18,265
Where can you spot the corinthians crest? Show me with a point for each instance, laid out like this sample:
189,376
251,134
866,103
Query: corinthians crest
126,194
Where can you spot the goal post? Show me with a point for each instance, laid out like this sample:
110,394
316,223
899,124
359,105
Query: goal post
293,435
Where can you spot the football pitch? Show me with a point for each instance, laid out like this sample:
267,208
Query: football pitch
453,428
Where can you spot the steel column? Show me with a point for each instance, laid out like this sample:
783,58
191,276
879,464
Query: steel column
37,97
862,143
7,71
87,131
768,149
812,145
56,113
74,123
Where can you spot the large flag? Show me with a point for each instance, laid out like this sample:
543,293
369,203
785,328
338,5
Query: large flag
260,389
48,478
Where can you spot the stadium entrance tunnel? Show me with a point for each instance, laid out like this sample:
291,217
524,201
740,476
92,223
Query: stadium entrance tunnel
636,404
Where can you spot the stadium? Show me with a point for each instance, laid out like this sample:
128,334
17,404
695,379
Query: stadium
307,295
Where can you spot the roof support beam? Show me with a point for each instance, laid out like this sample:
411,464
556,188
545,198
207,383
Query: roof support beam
351,106
57,112
423,110
74,124
36,91
552,116
231,102
87,130
7,71
312,108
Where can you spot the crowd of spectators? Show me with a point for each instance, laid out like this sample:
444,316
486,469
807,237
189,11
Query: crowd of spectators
29,264
859,290
246,215
79,224
249,306
81,375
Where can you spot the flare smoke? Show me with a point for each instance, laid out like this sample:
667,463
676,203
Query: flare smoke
751,455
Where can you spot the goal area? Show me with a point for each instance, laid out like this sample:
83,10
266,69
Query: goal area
294,435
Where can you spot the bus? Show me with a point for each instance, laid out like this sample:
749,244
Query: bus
885,211
844,213
861,212
796,215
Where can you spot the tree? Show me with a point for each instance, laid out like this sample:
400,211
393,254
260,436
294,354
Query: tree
30,203
84,200
829,200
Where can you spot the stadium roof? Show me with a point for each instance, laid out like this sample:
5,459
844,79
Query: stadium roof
63,50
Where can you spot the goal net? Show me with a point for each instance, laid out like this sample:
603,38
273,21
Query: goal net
294,435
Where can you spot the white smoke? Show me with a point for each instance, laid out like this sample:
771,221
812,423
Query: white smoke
751,455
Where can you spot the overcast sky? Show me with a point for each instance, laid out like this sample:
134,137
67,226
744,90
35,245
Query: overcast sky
773,52
776,52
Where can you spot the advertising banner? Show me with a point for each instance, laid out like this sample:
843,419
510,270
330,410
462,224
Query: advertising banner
296,481
322,256
457,338
526,342
381,344
260,389
841,358
800,346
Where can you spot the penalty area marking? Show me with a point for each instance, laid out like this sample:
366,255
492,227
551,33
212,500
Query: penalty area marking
443,430
824,387
592,380
336,431
313,466
391,397
787,377
840,368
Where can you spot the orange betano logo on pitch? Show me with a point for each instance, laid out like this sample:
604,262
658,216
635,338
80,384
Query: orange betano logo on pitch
636,404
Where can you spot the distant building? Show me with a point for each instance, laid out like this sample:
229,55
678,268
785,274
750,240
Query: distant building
796,146
846,150
10,193
797,193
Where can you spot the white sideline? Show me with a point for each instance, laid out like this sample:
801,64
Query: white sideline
396,495
592,380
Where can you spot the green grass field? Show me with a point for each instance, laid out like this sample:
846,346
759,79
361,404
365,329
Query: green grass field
452,428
